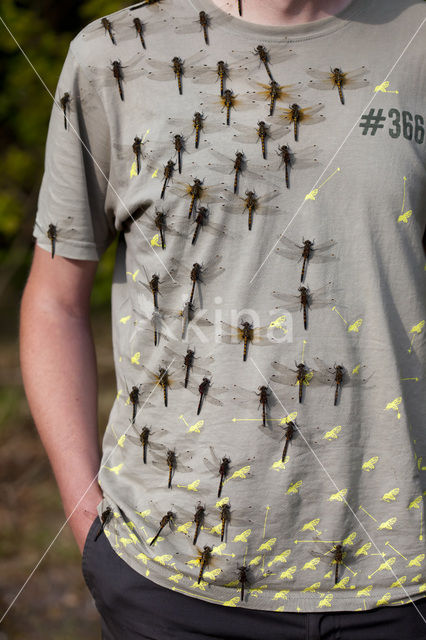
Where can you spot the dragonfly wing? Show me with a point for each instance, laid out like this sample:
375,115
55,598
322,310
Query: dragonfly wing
179,189
241,394
291,302
355,84
246,134
310,115
278,131
188,26
213,400
292,246
324,246
211,194
215,458
197,369
321,290
191,61
323,76
269,196
159,70
278,54
323,85
306,157
213,468
204,75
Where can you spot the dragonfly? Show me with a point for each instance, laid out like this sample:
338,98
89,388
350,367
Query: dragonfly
55,234
199,518
105,518
246,395
134,397
245,333
247,576
302,159
197,192
272,92
93,30
163,379
158,520
237,166
202,221
178,141
199,124
250,203
286,431
187,314
203,23
204,559
338,376
337,78
168,170
262,56
156,329
312,299
203,391
117,73
160,221
223,466
176,68
229,101
296,115
262,132
200,273
307,251
64,102
301,375
136,148
189,362
171,461
220,72
144,440
141,29
154,284
334,555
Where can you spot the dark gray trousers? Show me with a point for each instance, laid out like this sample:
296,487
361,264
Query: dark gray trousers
135,608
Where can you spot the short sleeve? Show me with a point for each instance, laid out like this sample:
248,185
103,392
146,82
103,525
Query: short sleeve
71,210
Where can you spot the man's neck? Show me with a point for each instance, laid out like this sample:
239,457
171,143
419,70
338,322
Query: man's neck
283,12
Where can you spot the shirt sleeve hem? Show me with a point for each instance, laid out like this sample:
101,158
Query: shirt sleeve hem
74,249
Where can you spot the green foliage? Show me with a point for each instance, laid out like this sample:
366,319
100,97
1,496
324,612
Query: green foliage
34,43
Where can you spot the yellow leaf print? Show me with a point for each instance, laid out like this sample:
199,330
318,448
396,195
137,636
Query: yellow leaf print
289,573
355,326
294,488
370,464
135,359
417,561
333,433
339,496
242,537
391,495
387,524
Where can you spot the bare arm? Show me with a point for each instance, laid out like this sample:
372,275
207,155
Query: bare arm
58,363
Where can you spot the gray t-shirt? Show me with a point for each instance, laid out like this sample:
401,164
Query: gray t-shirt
339,524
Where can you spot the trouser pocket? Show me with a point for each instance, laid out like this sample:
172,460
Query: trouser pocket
89,541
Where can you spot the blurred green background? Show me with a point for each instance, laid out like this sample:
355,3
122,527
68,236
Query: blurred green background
55,603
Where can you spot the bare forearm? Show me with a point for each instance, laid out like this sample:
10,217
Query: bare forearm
59,372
